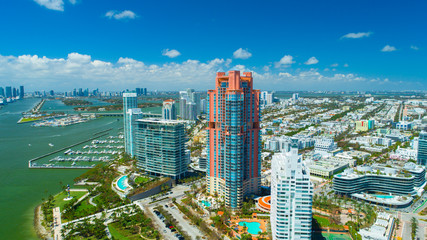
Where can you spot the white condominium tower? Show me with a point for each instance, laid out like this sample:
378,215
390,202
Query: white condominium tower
291,196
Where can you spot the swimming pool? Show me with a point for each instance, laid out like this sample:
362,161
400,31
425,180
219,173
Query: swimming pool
253,227
384,196
121,183
206,203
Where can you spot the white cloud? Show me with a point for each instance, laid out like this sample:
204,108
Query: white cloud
285,60
171,53
312,61
73,1
388,48
415,48
357,35
39,73
334,65
57,5
345,65
126,14
242,53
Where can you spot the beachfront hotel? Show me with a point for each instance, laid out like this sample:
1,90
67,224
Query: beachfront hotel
129,102
291,196
161,149
233,171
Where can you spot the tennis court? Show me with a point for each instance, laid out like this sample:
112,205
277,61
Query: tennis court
330,236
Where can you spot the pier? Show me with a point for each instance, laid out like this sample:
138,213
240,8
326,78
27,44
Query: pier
37,108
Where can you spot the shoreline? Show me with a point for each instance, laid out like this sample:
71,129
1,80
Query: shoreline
39,229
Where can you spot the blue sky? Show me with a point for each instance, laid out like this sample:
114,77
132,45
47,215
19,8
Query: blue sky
167,45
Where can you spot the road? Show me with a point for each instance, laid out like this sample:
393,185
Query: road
406,230
178,193
192,230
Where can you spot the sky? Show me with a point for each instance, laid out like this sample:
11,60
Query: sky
173,45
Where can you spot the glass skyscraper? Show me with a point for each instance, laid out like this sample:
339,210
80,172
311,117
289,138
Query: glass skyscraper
161,149
130,101
233,138
291,196
422,149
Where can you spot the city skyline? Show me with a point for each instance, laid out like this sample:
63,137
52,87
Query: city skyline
359,47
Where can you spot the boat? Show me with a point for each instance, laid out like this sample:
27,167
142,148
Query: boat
50,144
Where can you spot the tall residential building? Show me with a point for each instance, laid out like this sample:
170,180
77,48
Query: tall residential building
21,92
14,94
8,92
234,169
161,149
422,149
169,110
189,104
129,102
132,115
2,92
266,98
291,196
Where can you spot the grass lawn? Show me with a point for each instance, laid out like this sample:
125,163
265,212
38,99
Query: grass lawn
139,180
324,222
30,119
86,207
59,198
121,234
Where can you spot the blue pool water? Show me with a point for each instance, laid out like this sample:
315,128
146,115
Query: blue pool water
206,203
383,196
253,227
121,183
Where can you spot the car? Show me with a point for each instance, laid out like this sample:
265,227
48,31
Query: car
166,206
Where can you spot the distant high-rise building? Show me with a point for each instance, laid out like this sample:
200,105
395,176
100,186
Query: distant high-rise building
291,196
52,93
14,94
129,102
138,91
8,92
295,97
132,115
234,169
144,92
2,92
422,149
189,104
21,92
267,98
203,105
161,149
169,110
74,92
80,92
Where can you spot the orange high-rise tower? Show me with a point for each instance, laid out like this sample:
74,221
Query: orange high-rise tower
234,169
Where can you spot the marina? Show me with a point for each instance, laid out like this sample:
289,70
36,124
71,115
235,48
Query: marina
102,148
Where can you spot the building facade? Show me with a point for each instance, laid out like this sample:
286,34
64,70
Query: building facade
291,197
129,102
233,138
422,149
380,179
169,110
132,115
161,149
